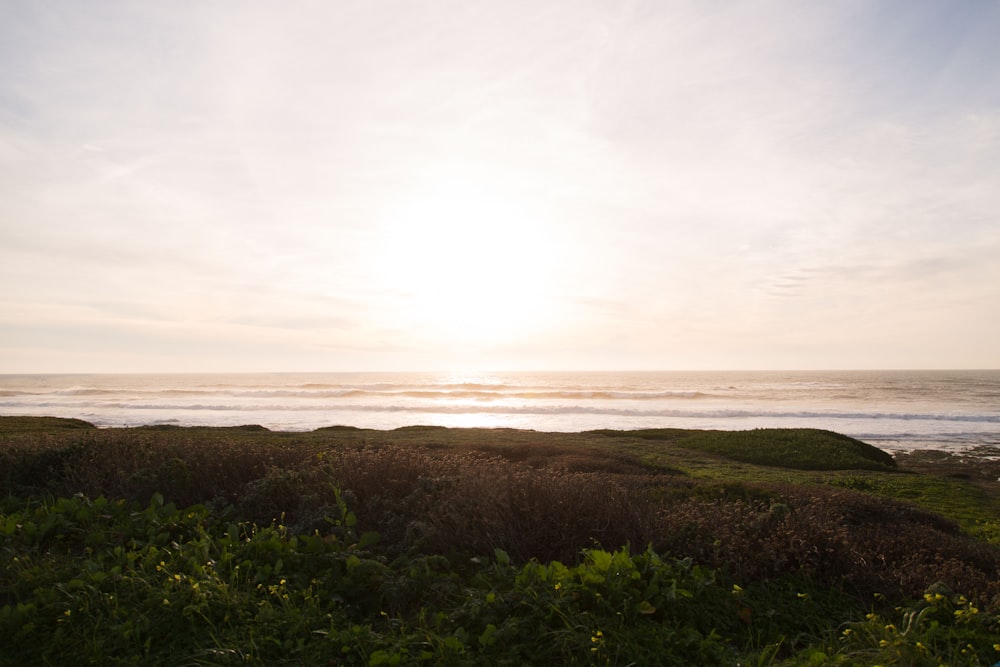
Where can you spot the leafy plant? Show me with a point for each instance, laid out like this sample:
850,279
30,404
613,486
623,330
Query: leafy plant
466,547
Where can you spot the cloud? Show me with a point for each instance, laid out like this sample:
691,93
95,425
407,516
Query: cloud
695,176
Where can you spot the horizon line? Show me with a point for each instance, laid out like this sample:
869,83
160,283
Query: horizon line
513,371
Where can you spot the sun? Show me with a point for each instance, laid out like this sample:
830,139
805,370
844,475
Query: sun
469,259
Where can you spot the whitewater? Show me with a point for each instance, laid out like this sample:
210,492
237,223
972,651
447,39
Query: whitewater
952,410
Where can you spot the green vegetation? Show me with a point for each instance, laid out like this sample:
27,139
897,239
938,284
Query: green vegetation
167,546
801,449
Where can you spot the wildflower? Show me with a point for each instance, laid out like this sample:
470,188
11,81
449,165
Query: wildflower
68,612
920,646
166,602
802,596
996,647
557,586
883,643
737,589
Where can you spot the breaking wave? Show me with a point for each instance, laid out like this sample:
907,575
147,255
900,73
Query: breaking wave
441,392
453,408
888,405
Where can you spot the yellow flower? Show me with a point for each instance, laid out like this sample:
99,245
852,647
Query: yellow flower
558,586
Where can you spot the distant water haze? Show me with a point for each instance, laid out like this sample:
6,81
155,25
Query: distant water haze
892,409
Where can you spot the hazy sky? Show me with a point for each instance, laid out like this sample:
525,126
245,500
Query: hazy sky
539,184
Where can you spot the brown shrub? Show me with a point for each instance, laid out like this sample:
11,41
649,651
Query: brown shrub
547,501
531,513
846,538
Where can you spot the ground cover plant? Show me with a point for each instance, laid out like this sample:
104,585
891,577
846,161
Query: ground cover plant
427,545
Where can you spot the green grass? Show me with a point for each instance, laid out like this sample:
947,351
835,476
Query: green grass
12,425
799,449
968,504
424,545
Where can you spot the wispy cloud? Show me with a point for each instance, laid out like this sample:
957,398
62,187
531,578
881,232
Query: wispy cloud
693,184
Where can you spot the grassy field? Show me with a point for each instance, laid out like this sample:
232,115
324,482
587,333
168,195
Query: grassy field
426,545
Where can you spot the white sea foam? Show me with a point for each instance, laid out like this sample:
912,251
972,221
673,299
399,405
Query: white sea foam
902,409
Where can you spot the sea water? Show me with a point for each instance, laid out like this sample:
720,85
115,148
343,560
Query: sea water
952,410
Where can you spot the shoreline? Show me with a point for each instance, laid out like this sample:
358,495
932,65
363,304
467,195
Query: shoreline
950,410
984,445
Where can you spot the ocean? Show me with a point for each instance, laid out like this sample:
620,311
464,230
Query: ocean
895,410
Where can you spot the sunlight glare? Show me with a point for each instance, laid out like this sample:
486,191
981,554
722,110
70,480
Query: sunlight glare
471,261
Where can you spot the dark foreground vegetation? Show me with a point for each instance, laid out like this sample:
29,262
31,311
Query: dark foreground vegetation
423,545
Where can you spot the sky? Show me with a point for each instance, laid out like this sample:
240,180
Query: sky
374,185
